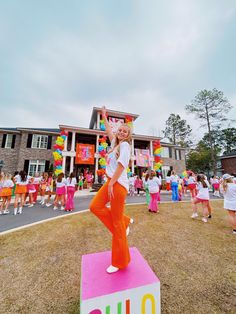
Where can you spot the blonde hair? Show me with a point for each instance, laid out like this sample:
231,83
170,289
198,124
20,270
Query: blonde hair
128,139
225,183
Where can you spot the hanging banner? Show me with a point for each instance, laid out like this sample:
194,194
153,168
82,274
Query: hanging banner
85,154
142,157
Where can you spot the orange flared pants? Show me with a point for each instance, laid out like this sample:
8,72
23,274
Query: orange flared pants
115,221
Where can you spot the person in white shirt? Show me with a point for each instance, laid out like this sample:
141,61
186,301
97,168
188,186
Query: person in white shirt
131,185
71,184
21,181
228,189
60,192
192,185
153,187
174,181
115,190
202,197
6,192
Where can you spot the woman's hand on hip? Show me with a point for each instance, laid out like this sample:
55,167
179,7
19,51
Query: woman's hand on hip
110,190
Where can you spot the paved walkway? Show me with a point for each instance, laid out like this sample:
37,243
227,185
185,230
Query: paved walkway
82,199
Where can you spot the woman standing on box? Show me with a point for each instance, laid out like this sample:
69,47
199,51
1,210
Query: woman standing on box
115,191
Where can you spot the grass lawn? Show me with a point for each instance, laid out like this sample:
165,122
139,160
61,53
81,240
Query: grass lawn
195,262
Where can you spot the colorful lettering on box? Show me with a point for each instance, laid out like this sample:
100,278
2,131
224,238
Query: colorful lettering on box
151,298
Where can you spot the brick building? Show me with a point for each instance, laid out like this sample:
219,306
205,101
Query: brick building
228,163
31,148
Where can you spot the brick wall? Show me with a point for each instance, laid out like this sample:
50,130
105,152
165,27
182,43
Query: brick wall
9,155
33,153
178,165
228,165
14,158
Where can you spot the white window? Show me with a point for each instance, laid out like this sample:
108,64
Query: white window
9,139
178,154
165,152
164,170
40,141
36,166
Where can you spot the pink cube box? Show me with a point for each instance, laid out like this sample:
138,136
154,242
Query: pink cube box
133,290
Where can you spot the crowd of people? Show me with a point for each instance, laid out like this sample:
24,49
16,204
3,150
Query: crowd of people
28,189
151,183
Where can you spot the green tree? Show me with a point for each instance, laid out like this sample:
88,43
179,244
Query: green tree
199,159
227,140
211,107
177,130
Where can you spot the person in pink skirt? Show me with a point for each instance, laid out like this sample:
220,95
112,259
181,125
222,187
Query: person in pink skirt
138,184
31,190
60,192
153,187
71,184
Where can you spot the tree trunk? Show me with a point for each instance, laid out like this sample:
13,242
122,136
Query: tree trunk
210,140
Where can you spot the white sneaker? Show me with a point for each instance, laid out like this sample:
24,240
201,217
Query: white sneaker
55,208
20,210
42,203
204,219
5,212
31,205
112,269
234,231
48,204
15,211
194,215
62,208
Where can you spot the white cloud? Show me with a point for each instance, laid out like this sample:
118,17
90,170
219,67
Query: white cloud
151,64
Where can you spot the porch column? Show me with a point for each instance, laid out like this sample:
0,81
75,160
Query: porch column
151,154
71,164
64,164
73,142
132,155
96,159
98,120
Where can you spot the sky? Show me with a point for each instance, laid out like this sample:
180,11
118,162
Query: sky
59,59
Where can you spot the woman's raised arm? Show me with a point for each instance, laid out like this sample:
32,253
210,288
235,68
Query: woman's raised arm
107,125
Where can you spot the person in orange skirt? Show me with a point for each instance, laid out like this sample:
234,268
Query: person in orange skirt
115,191
21,181
6,193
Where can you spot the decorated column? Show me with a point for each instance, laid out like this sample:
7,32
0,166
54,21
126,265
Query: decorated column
57,154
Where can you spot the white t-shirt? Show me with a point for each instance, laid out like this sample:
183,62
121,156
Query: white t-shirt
153,185
112,163
230,196
191,180
131,181
61,184
174,178
7,184
167,179
20,182
203,193
72,183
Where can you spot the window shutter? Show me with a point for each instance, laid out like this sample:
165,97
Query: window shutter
26,166
170,152
4,140
179,154
175,154
49,142
47,164
13,141
29,141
